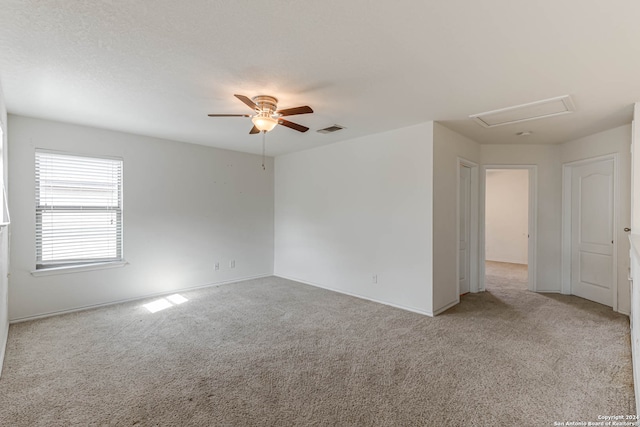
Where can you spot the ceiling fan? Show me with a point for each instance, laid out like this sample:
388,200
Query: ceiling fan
267,115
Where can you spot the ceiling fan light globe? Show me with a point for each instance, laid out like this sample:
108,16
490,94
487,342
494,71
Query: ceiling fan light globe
264,123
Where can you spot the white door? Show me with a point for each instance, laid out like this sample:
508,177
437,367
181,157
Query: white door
592,231
464,221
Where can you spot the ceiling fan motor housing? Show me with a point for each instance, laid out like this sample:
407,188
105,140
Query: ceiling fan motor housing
266,104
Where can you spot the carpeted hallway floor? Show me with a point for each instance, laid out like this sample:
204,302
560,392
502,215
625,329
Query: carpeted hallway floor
504,275
272,352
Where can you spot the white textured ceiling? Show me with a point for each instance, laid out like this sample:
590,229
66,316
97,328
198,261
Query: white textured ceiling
157,67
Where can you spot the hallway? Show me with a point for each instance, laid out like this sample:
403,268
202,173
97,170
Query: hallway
505,275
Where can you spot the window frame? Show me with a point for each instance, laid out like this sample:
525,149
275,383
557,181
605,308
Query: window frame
78,264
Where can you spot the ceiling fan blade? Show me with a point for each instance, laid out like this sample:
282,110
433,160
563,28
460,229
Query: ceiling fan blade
254,130
247,101
292,125
229,115
293,111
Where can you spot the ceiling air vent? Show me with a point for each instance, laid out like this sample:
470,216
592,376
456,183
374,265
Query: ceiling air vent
331,129
521,113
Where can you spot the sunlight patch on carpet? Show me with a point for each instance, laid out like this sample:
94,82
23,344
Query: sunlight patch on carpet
164,303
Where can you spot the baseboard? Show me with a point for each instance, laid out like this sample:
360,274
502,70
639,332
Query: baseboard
3,346
137,298
507,261
317,285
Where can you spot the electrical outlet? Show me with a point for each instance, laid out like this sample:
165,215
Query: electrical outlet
375,278
216,266
232,264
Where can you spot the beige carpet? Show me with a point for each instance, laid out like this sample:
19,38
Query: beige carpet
273,352
505,275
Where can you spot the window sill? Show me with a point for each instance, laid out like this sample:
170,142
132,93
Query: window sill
78,268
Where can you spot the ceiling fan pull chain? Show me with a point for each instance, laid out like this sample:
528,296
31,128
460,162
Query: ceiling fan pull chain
264,133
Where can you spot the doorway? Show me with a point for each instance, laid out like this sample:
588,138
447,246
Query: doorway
467,213
464,232
506,228
509,227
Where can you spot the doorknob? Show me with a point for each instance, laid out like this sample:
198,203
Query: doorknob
627,229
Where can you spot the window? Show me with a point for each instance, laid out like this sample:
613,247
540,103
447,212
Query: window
78,210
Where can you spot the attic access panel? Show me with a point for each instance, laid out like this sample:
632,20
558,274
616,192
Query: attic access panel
522,113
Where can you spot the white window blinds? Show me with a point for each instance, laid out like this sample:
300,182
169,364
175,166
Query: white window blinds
78,209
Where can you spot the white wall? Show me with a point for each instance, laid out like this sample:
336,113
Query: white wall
354,209
185,207
448,146
4,240
549,206
507,215
617,140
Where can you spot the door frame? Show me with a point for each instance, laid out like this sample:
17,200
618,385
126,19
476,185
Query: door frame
567,172
474,286
532,283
